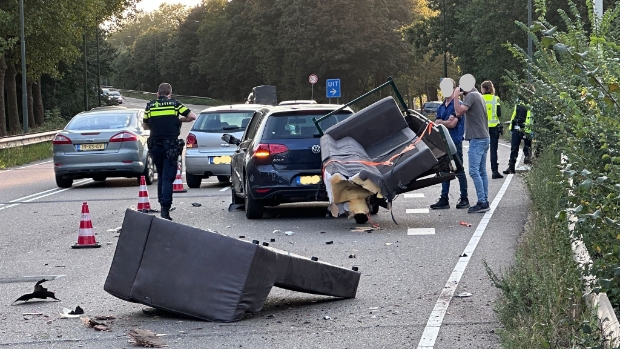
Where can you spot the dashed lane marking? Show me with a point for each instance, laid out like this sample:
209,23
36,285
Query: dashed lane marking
224,189
421,231
417,210
414,195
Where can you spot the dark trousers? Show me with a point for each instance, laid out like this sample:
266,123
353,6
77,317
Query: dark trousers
460,175
515,143
494,133
166,173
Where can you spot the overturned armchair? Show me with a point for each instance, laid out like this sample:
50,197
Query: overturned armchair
382,151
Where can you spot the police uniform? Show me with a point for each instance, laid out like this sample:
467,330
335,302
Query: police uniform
494,112
520,128
162,117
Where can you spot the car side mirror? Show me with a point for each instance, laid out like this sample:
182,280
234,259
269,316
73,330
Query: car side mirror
230,139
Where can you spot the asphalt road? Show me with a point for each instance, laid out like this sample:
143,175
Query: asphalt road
404,300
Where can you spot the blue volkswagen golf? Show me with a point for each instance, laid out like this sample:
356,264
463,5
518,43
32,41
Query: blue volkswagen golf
278,159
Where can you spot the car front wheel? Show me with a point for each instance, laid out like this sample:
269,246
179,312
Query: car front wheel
149,170
64,182
253,208
193,181
223,179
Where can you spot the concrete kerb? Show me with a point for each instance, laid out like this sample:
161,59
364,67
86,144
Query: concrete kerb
608,322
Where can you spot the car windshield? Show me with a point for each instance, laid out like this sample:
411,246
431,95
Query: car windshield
217,122
114,93
298,125
98,122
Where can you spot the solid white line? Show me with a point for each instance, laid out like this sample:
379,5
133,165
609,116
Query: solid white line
224,189
41,195
431,331
417,210
414,195
504,145
421,231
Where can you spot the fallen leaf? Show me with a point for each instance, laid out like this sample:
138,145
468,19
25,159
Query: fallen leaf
146,339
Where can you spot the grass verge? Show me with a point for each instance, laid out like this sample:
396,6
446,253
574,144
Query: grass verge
18,156
542,304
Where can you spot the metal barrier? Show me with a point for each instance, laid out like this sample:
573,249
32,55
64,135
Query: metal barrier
154,94
32,138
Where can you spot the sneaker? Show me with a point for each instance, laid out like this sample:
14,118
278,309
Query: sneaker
479,208
496,175
463,203
441,204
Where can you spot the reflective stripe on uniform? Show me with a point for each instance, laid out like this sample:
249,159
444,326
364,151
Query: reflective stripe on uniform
492,102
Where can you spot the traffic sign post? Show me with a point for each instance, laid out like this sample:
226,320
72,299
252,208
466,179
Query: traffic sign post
313,79
332,88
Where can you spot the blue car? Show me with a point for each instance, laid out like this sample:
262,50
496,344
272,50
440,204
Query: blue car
278,158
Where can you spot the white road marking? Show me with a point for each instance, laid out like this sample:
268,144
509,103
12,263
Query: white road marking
504,145
414,195
32,165
224,189
431,331
417,210
421,231
41,195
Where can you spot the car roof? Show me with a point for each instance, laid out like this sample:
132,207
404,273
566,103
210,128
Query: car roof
304,107
110,110
298,101
233,107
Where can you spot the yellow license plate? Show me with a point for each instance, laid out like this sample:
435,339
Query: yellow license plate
305,180
97,146
221,160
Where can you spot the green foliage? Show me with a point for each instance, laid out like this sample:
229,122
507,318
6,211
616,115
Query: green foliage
17,156
574,90
542,304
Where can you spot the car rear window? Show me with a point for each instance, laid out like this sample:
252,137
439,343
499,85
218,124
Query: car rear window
99,122
433,105
217,122
298,125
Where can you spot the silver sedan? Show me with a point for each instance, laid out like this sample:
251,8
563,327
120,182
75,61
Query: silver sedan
101,143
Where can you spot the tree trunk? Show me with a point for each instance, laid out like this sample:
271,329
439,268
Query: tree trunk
11,99
31,122
2,107
39,111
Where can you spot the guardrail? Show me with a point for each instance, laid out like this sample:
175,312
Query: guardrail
31,138
154,94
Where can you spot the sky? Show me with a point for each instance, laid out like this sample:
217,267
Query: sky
150,5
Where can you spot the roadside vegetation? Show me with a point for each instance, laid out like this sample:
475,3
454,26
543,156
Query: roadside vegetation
18,156
574,91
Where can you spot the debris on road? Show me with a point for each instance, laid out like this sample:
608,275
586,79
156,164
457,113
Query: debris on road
115,230
464,294
463,255
289,233
465,224
196,204
68,313
326,317
352,255
98,326
146,339
39,292
105,317
329,242
277,231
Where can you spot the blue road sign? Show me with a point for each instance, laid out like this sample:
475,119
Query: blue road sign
332,88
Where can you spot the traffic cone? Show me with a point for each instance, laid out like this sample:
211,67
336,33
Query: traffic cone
177,185
144,204
86,237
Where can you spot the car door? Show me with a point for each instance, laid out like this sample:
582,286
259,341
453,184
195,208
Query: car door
239,157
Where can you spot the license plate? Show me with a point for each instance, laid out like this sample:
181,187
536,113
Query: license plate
307,180
86,147
217,160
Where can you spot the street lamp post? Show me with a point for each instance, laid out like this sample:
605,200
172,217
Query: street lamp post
23,55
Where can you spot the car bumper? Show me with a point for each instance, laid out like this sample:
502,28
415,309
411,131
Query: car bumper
285,186
207,164
108,169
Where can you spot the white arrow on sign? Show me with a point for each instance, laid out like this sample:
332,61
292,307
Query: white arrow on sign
333,91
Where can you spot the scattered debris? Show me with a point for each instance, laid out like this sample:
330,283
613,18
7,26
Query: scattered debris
389,243
277,231
463,255
68,313
265,244
315,258
326,317
39,292
465,224
270,316
464,294
196,204
329,242
272,240
323,232
241,236
98,326
115,230
352,255
30,314
289,233
105,317
355,268
146,339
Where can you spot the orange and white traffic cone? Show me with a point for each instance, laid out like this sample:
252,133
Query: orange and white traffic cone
86,237
177,185
144,205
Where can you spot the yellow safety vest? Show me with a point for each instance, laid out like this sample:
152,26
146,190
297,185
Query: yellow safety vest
528,119
492,103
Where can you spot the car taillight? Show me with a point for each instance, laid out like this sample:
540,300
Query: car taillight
124,137
266,150
191,141
60,139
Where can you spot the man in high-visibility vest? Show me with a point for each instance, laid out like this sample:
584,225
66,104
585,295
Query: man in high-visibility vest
494,112
520,128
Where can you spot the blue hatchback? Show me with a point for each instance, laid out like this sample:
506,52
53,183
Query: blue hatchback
278,159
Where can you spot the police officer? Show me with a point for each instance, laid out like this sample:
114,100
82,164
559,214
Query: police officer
494,112
520,128
162,118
